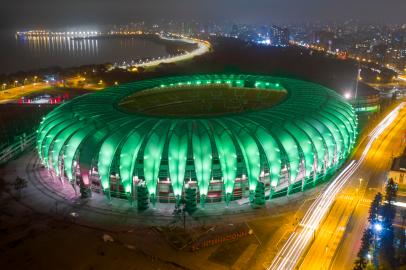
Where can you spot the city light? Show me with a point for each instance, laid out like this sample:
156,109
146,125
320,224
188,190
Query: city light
126,115
378,227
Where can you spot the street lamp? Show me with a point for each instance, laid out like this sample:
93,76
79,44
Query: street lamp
356,84
369,257
378,227
360,182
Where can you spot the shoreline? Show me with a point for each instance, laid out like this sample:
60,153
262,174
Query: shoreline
171,47
169,43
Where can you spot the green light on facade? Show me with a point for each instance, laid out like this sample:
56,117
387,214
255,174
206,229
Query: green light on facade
308,134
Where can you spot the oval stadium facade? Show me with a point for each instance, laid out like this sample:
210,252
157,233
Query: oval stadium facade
220,134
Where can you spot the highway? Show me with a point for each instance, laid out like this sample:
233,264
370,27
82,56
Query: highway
339,236
309,230
202,48
374,173
11,94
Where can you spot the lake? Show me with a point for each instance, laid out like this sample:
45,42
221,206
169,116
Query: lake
31,53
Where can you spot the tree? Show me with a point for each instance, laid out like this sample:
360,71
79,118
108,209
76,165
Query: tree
386,249
259,197
391,190
360,264
85,191
388,213
366,241
190,200
142,197
402,248
374,210
19,184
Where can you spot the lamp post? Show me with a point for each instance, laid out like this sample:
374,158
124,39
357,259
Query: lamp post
360,183
356,84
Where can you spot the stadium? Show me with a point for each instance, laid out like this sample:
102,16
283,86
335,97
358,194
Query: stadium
219,134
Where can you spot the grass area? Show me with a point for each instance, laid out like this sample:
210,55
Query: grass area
196,100
16,119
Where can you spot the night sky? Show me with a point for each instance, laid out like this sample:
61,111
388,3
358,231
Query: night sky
59,13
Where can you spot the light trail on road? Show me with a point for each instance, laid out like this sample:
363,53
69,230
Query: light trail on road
202,48
297,243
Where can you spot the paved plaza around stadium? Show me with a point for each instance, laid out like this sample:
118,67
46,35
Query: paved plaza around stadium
45,210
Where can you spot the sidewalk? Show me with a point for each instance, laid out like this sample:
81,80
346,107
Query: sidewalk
48,195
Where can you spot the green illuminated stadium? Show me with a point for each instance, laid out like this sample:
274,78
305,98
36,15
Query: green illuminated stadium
220,134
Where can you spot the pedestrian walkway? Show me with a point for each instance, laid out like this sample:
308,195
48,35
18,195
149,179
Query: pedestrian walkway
48,194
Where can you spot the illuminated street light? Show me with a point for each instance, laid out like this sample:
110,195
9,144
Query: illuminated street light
347,95
378,227
359,187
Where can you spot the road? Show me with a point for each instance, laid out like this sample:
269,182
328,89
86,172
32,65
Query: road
202,48
326,237
374,173
17,92
340,234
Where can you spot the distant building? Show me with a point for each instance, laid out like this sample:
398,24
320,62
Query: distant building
398,171
379,51
279,36
234,31
324,39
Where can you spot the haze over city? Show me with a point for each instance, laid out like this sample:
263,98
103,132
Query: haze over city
58,13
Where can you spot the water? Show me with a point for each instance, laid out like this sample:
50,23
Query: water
40,52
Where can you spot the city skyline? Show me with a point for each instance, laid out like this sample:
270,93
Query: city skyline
46,13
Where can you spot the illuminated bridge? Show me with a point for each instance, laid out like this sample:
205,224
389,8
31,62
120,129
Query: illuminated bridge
220,134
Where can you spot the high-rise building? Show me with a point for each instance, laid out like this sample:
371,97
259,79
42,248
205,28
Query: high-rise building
279,36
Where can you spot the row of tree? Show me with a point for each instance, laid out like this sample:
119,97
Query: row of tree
190,198
377,244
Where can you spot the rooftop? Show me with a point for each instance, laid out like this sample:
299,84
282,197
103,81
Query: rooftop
399,164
